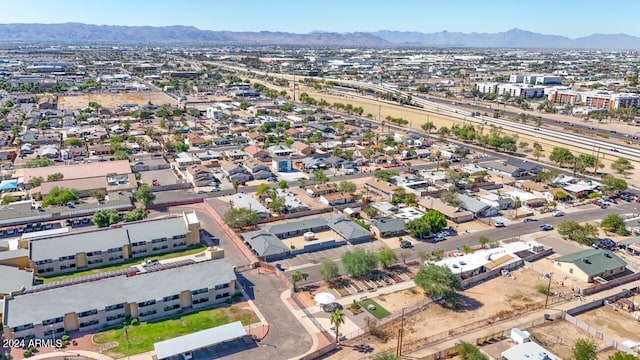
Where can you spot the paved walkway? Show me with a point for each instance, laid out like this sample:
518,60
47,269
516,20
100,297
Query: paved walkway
75,354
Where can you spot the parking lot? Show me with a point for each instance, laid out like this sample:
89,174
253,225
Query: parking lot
163,177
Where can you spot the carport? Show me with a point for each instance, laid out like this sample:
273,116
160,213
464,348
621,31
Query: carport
199,340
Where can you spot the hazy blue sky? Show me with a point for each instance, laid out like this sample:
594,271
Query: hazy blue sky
571,18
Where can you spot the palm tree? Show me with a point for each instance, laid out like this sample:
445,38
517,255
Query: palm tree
516,204
236,185
302,182
337,319
297,277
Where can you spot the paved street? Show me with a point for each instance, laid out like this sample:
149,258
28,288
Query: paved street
514,230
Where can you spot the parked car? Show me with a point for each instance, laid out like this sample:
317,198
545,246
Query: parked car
499,224
557,213
596,202
279,267
187,356
526,220
406,244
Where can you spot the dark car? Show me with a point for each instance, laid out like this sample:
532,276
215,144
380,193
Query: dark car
526,220
405,244
279,267
546,227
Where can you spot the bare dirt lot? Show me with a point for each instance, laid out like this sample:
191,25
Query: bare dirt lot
619,325
495,299
112,100
559,337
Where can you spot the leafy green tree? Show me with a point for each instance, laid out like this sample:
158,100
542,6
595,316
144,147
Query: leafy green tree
7,199
450,197
277,204
241,217
428,126
320,177
297,277
561,156
386,356
36,181
40,162
621,166
385,175
484,241
99,194
469,351
262,189
60,196
359,262
144,195
623,356
55,177
347,187
328,270
436,220
614,223
121,155
438,281
181,147
582,234
73,142
612,185
282,184
585,349
337,319
104,218
136,214
387,257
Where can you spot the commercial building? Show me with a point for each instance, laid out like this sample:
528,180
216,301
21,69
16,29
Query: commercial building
93,305
97,248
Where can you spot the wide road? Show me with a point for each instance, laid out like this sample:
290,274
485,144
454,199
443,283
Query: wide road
514,230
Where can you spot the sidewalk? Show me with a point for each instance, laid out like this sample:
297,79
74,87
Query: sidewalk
64,354
313,331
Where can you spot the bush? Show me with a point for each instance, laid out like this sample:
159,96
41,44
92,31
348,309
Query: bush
542,289
28,353
65,337
134,322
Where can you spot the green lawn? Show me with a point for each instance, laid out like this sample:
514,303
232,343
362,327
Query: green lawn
379,312
189,251
143,336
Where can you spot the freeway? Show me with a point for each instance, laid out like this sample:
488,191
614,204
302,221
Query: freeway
554,136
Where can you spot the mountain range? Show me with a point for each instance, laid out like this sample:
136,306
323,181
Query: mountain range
515,38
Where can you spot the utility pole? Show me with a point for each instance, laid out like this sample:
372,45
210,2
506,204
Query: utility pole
546,301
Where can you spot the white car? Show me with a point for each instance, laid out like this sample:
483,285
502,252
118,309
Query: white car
187,356
557,213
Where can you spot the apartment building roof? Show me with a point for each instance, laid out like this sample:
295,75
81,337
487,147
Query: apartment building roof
14,279
28,309
107,238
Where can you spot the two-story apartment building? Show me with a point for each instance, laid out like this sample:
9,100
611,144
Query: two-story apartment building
96,248
53,311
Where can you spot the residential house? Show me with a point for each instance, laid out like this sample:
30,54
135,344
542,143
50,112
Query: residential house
195,141
540,189
245,201
100,149
235,154
527,199
75,152
199,175
497,201
279,150
589,264
513,169
91,305
388,227
266,246
50,151
281,164
337,198
256,138
209,155
302,149
477,207
452,213
527,351
382,188
321,189
256,152
259,170
235,171
185,159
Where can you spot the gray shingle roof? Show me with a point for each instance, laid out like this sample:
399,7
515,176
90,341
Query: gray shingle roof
348,229
266,244
28,308
388,225
472,204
